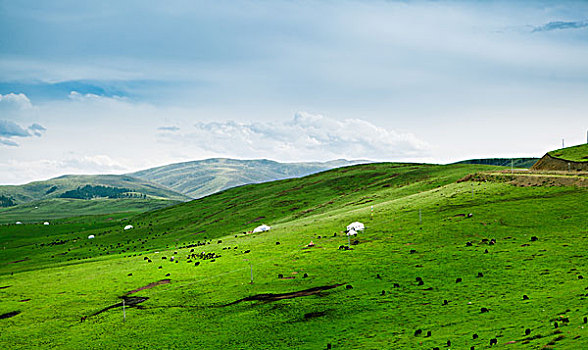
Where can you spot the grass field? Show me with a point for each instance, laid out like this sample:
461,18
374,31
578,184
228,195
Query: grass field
575,154
419,227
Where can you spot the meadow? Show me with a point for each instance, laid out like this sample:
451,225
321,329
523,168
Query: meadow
442,264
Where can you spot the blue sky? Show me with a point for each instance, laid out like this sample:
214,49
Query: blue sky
108,86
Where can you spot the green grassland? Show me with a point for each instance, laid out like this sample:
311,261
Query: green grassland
575,154
53,188
54,275
57,208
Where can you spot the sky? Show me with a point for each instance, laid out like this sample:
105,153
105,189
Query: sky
91,87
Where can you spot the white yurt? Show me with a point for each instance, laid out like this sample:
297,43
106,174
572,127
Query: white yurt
128,227
46,223
19,223
262,228
356,226
352,232
90,236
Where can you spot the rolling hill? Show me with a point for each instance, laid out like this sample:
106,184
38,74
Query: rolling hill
446,259
57,187
200,178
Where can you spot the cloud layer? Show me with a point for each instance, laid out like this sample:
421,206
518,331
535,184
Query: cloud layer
305,137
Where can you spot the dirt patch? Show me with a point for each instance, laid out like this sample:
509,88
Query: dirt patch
9,314
256,219
553,163
150,285
268,297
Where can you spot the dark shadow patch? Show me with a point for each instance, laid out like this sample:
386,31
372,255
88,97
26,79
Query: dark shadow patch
9,314
129,302
24,300
316,314
18,261
268,297
4,287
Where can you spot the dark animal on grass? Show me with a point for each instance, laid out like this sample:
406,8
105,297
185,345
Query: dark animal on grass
449,343
445,302
480,274
277,243
534,238
305,275
486,251
167,275
418,332
328,345
161,267
356,242
247,251
585,319
280,275
396,285
83,318
580,277
378,276
468,244
348,286
458,280
527,331
525,297
475,336
555,324
428,333
197,263
412,251
383,292
482,310
493,341
421,283
130,274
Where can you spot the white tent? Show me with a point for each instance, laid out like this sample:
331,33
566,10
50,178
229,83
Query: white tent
90,236
356,226
351,232
19,223
46,223
261,228
128,227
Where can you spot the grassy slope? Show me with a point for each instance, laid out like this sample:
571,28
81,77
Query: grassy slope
576,153
38,190
201,178
189,312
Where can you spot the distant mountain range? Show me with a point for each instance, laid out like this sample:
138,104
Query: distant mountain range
198,179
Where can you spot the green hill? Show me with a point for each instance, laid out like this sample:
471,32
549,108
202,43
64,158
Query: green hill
57,187
575,154
515,162
200,178
439,262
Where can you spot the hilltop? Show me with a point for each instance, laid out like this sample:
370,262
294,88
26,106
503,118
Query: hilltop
201,178
566,159
445,256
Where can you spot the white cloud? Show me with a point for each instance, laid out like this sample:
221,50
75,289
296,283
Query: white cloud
305,137
15,101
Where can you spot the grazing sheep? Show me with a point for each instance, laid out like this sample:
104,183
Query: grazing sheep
161,267
580,277
421,283
130,274
486,251
412,251
247,251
